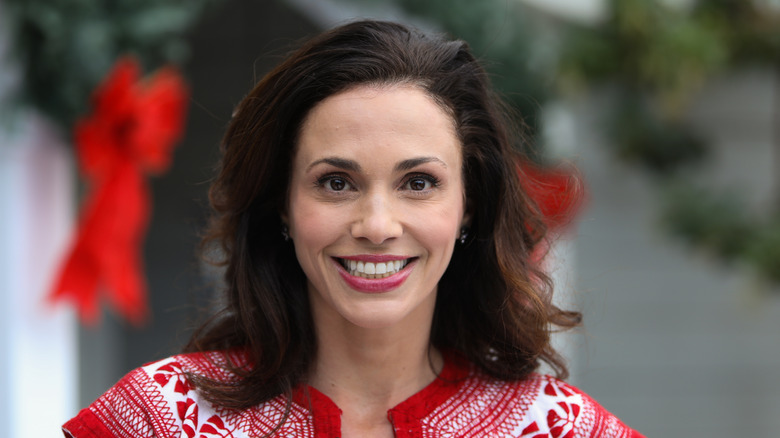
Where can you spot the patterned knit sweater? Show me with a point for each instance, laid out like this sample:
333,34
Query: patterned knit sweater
157,400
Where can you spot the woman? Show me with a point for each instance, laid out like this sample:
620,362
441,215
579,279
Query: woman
379,273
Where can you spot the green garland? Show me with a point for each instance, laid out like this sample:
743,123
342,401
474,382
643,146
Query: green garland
66,47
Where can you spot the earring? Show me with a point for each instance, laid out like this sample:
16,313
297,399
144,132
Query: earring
464,233
285,233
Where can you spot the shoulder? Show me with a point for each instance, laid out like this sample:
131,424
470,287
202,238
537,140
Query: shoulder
562,410
537,406
159,400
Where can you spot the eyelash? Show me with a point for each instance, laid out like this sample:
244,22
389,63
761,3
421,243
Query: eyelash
350,186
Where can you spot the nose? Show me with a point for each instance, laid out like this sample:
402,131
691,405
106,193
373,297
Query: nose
376,220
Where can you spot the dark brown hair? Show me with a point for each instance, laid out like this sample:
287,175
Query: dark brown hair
494,304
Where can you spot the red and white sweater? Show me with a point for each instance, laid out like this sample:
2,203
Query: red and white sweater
157,400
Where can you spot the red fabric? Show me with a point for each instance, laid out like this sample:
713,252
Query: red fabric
157,401
558,192
89,426
132,131
327,422
406,416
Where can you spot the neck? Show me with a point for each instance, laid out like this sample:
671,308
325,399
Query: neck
377,367
374,368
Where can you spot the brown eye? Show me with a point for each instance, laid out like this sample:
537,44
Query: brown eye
421,183
417,184
337,184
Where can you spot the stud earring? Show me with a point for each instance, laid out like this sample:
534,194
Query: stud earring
464,233
285,233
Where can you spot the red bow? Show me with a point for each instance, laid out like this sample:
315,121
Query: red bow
558,192
132,131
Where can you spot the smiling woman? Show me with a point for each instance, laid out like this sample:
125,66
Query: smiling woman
376,177
379,273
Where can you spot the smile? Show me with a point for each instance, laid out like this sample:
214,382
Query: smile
373,270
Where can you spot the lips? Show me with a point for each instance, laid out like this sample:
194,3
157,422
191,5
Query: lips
356,272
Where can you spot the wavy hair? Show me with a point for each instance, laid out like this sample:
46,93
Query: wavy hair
494,304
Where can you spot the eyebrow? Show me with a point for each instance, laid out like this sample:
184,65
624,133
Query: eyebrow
414,162
341,163
351,165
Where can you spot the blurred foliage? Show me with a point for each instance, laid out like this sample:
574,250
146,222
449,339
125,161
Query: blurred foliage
658,145
720,223
66,47
724,227
657,58
667,53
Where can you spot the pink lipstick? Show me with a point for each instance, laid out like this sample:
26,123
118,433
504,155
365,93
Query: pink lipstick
391,271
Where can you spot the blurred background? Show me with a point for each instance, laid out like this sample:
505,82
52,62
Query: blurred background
670,109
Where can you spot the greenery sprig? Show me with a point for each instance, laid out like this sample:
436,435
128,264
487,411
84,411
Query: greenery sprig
66,47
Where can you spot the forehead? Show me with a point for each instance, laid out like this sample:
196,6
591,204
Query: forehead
375,116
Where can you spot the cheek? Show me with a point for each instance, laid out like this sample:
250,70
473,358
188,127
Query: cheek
313,225
438,229
310,233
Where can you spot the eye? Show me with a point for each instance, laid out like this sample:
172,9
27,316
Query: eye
418,184
421,183
334,183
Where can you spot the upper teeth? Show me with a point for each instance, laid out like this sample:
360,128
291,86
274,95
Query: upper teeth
373,270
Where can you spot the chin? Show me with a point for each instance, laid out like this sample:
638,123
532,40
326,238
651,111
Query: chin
377,318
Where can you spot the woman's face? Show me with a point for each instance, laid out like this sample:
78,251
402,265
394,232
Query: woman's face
376,203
